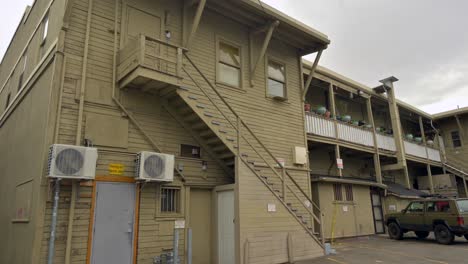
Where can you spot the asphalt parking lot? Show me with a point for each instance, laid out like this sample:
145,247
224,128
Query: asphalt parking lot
381,249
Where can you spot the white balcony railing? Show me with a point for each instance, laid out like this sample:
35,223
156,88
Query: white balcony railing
415,149
355,135
434,154
386,142
320,126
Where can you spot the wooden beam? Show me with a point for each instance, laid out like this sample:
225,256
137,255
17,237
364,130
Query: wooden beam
370,116
266,42
429,171
392,167
311,74
196,22
460,127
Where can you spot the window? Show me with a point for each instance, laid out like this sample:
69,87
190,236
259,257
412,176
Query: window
349,192
8,101
170,200
45,28
442,206
229,65
24,60
416,207
463,206
189,151
456,139
338,194
276,79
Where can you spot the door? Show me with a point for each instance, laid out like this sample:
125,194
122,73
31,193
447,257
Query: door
413,216
200,222
114,216
377,212
225,223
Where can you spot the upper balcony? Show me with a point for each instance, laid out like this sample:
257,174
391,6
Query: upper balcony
149,63
363,136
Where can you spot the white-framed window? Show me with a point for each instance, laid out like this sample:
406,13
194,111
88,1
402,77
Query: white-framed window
229,68
276,79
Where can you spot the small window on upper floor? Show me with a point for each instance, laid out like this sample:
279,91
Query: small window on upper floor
337,192
24,60
229,65
456,140
189,151
349,192
276,86
45,28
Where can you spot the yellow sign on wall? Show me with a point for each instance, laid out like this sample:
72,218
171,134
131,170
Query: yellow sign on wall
116,169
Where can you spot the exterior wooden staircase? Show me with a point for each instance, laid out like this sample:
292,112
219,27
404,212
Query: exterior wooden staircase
205,113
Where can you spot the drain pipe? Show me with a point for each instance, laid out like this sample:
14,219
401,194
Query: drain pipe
53,225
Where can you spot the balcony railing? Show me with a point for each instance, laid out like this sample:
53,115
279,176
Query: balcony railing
324,127
151,59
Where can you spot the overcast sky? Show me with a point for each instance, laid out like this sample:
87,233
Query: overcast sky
424,43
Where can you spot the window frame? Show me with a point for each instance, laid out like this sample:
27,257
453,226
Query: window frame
185,157
273,59
337,192
349,192
44,29
459,138
234,44
416,212
180,203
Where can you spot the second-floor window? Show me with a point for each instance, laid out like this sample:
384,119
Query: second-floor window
229,65
276,86
456,140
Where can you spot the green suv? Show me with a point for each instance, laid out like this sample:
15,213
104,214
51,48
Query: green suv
445,217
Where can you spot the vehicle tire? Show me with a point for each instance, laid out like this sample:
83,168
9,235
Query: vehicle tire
466,237
421,234
394,231
443,235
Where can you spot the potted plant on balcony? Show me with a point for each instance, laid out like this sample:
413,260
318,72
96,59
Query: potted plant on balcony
307,107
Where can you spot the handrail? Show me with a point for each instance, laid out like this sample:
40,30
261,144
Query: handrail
164,42
249,130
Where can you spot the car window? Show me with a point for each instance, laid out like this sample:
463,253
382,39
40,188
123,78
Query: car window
438,207
463,206
416,207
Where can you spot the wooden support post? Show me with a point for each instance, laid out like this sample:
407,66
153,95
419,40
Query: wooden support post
397,133
142,46
460,127
283,175
429,171
311,74
179,62
370,116
266,42
290,248
196,22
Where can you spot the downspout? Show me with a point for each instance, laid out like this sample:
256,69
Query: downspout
75,184
53,225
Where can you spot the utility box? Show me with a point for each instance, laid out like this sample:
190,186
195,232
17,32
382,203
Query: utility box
300,155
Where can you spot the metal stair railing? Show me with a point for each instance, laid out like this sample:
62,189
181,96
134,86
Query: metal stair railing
239,125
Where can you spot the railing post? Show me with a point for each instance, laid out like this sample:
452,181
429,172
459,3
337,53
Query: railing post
142,49
179,62
322,233
283,176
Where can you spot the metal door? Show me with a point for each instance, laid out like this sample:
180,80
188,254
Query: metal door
377,212
113,223
226,227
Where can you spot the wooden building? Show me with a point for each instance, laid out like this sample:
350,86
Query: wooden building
217,84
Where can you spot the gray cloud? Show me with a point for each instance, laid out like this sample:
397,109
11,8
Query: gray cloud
422,42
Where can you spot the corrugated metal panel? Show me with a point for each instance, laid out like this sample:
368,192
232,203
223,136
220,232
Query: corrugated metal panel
386,142
355,135
320,126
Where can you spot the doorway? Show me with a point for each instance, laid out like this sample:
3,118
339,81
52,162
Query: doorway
377,212
113,229
200,222
225,222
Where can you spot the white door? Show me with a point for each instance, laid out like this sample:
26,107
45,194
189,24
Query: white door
226,235
113,223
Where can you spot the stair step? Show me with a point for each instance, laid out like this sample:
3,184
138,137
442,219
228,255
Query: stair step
264,177
199,126
206,133
223,131
216,123
230,139
208,114
191,97
183,88
200,106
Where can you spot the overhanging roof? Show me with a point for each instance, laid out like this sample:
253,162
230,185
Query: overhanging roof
451,113
401,191
363,182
